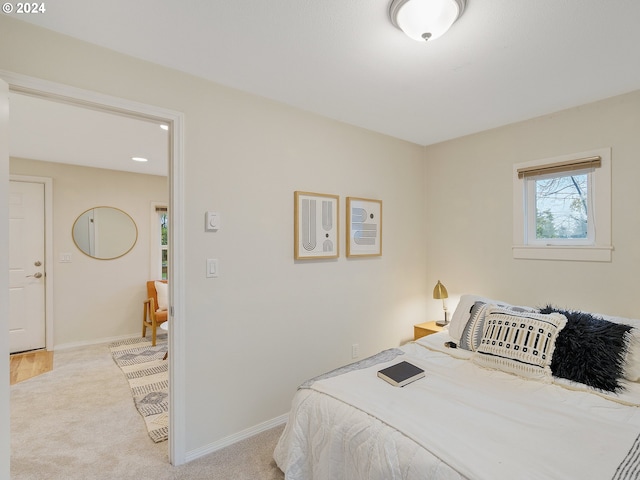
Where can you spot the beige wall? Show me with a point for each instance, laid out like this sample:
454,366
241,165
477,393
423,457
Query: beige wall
267,323
97,300
470,181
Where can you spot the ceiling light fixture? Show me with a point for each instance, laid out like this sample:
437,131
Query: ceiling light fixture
164,127
139,159
424,20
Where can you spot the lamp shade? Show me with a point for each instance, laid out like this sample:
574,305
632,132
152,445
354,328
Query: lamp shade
440,292
425,20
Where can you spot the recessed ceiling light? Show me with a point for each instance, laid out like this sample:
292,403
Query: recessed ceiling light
164,127
139,159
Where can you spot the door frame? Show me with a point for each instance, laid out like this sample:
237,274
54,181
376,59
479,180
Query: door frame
48,251
177,311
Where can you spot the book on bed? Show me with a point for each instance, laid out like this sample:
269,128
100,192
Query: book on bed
401,374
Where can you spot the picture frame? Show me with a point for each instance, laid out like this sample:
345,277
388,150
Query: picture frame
316,226
364,227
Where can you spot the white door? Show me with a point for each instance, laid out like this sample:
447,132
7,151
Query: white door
26,266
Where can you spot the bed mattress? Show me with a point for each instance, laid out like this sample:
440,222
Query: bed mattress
460,421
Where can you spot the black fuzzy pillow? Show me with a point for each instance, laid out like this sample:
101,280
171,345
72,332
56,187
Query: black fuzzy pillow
590,350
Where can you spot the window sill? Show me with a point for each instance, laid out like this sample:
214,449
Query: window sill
574,254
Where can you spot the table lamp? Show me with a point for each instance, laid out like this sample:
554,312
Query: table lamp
440,293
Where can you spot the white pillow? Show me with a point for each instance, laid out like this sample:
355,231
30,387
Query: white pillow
632,359
163,295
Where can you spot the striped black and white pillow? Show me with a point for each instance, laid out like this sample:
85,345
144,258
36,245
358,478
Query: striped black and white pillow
472,333
521,343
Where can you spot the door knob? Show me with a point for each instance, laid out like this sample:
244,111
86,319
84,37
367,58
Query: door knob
36,275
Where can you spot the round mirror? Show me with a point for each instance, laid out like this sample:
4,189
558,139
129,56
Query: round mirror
105,233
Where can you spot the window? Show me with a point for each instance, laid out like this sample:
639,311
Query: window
562,208
159,247
164,247
559,209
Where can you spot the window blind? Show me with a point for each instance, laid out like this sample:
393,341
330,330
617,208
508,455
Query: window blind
558,167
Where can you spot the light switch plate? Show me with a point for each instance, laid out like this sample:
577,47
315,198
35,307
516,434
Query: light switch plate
212,222
212,267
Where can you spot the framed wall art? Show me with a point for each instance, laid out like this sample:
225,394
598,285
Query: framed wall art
316,226
364,227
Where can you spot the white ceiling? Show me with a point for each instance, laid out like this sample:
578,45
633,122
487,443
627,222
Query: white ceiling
50,131
503,61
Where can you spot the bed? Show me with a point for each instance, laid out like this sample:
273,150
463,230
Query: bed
566,408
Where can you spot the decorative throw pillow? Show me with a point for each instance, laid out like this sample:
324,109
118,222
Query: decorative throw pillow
591,350
472,333
462,313
163,295
521,343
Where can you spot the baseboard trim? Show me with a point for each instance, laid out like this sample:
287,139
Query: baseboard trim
97,341
236,437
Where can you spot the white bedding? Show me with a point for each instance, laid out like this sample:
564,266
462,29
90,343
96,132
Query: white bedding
460,421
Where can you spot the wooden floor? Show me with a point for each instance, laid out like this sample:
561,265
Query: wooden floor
27,365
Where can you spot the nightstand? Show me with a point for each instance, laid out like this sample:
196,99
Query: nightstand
424,329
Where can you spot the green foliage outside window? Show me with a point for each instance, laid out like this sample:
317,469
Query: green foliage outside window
163,228
164,238
561,207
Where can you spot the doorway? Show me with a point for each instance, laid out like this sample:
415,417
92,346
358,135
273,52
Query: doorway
87,99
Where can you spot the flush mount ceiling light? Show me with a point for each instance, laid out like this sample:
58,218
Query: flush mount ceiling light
139,159
425,20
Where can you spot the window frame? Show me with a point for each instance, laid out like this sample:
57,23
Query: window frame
597,250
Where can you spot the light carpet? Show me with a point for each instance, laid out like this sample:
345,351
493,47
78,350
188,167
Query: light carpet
77,423
148,377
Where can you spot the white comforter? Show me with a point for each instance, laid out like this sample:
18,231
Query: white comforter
460,421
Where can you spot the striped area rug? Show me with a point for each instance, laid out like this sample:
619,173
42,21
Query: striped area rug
148,377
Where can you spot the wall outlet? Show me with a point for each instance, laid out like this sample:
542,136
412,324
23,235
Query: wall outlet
355,350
